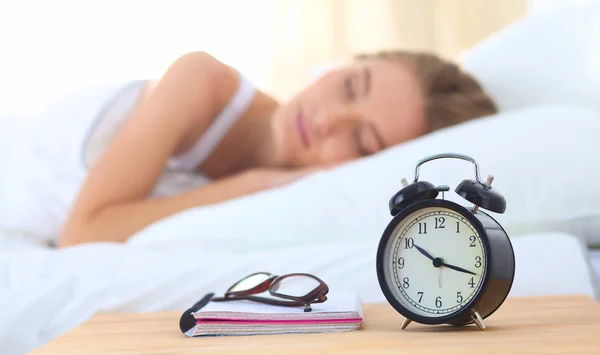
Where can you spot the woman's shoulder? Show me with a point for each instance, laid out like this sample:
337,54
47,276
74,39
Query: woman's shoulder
195,67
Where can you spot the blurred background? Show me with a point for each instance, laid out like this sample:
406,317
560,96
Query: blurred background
49,47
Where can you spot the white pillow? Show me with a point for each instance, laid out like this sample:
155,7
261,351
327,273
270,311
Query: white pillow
548,58
544,161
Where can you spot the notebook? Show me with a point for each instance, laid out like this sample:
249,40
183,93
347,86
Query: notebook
341,312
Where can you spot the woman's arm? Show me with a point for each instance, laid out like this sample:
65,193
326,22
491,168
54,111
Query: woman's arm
112,203
120,221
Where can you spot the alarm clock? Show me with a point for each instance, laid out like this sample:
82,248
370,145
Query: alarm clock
439,262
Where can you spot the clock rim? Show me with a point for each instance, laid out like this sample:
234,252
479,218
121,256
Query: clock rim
387,234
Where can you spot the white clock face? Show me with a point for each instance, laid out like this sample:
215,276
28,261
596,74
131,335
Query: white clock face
435,261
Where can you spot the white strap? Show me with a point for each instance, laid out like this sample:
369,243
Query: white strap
207,143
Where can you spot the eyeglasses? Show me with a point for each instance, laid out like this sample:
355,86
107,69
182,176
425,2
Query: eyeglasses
296,289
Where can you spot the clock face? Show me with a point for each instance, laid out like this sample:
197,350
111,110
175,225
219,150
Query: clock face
435,261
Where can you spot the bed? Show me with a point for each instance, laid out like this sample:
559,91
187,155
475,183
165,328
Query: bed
594,255
172,263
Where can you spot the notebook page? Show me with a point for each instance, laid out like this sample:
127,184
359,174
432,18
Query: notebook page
344,304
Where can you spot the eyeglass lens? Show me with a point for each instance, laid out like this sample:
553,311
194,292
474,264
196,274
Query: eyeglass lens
250,282
295,286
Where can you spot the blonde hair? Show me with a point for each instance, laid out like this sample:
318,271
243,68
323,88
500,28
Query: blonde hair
451,95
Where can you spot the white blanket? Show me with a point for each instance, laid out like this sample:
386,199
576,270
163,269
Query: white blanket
45,292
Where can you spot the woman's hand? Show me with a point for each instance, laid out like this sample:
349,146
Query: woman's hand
121,221
255,180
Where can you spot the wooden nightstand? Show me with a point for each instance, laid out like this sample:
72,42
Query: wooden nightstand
536,325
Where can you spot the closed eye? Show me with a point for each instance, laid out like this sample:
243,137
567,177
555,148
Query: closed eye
367,139
349,92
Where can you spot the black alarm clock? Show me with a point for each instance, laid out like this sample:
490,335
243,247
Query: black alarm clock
439,262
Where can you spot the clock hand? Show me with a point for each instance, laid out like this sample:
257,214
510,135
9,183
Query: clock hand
422,251
458,268
437,262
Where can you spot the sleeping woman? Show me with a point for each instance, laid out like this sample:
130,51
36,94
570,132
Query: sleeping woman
204,119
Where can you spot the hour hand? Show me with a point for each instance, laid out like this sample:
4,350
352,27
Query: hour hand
422,251
460,269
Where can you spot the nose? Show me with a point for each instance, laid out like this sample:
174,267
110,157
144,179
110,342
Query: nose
332,120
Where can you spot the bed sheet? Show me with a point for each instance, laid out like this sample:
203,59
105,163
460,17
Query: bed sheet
45,292
14,130
594,255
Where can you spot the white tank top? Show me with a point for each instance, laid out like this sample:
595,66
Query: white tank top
181,173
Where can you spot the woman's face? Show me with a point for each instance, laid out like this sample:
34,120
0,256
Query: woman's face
353,111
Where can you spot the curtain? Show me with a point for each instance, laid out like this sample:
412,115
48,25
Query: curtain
311,35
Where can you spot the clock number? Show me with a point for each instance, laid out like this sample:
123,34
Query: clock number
459,297
438,302
457,227
478,262
405,283
423,228
401,263
420,294
409,243
472,283
439,222
472,239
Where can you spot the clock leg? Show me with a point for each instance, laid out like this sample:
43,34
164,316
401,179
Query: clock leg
405,323
477,319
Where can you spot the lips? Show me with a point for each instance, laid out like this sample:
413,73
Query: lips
301,129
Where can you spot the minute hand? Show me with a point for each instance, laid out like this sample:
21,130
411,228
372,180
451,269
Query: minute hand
460,269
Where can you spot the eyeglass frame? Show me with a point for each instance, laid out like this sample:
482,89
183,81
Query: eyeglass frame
317,295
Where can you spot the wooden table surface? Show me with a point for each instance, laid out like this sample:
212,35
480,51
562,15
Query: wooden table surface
530,325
